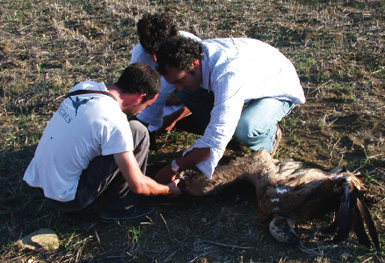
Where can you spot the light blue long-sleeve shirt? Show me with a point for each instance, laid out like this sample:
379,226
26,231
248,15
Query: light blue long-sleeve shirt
153,114
237,71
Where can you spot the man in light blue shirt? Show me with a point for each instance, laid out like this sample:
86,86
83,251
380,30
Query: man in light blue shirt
254,86
153,29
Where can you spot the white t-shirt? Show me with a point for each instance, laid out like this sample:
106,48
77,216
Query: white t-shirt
84,127
154,113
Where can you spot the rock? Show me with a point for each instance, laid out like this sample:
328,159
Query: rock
43,238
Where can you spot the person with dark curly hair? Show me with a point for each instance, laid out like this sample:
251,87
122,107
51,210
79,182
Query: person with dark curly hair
253,85
153,29
89,149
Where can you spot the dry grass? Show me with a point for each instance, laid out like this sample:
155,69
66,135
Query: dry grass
338,49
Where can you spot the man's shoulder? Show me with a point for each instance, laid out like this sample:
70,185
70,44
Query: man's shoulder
138,49
188,35
89,85
138,54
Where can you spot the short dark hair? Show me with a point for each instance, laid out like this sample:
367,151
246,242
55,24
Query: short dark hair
139,78
179,53
153,29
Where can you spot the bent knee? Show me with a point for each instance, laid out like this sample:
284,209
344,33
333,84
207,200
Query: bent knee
139,130
249,134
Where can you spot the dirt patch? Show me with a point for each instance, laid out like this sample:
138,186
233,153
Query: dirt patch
338,49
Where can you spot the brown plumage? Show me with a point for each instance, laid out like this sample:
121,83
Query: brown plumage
287,193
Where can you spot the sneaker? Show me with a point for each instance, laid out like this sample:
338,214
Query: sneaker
278,137
135,213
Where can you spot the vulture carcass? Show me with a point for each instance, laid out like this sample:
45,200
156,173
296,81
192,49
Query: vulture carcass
288,194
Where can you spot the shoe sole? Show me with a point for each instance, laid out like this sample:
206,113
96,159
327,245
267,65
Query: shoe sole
135,219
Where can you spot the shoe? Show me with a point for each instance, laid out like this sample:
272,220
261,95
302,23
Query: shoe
278,137
135,213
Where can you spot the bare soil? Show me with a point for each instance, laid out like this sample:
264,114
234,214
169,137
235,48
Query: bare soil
338,50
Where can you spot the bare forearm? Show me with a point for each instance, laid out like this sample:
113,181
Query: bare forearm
181,113
137,181
169,121
150,187
193,157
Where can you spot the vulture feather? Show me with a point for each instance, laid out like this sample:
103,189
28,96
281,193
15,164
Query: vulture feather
288,194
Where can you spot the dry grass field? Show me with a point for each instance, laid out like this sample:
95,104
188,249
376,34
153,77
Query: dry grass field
47,46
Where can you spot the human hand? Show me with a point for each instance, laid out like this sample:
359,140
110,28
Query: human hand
169,122
174,189
165,175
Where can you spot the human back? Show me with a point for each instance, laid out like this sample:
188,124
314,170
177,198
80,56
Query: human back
86,126
81,129
260,70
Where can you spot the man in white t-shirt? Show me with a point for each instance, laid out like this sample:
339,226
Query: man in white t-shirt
153,29
90,149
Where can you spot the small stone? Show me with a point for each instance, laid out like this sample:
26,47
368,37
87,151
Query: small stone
43,238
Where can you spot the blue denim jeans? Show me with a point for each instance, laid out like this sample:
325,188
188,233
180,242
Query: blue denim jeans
257,124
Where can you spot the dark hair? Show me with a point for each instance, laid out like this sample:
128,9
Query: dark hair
153,29
139,78
179,53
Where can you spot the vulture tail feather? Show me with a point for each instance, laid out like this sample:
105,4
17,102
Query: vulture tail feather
358,227
368,222
345,218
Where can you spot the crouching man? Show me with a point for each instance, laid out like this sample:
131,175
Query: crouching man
89,148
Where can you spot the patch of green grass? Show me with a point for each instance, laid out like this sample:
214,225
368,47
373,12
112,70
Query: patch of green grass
305,67
135,233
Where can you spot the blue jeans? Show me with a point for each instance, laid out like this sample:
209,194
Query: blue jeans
257,125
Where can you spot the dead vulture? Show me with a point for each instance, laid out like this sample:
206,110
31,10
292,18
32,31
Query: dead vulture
288,194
